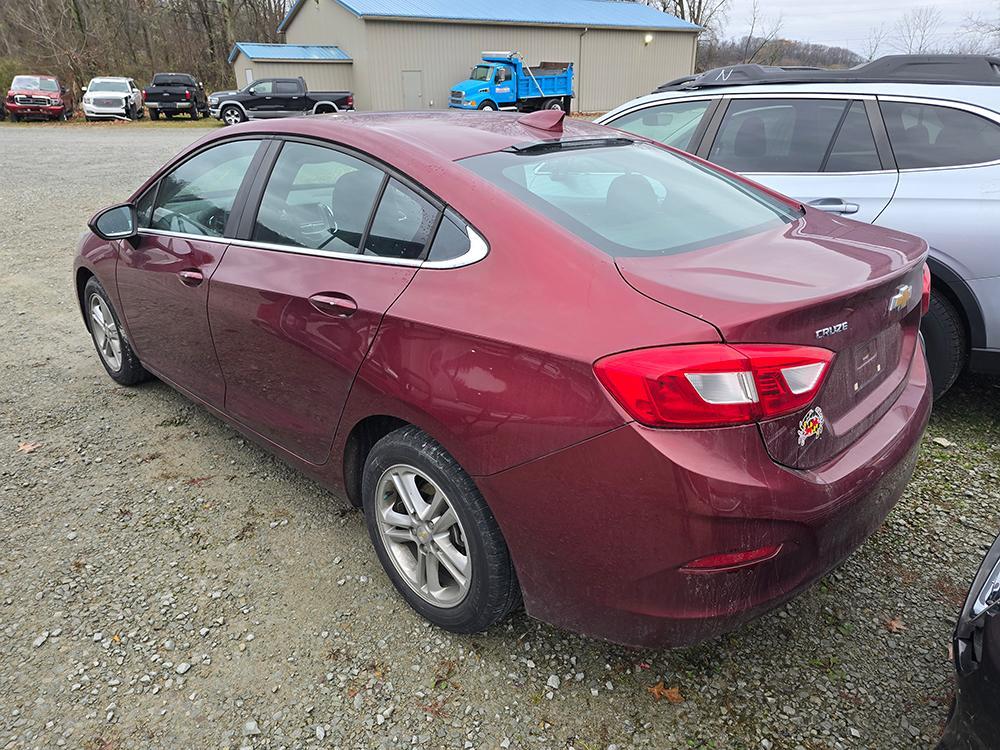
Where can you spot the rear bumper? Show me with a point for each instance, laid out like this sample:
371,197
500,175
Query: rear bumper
599,532
170,106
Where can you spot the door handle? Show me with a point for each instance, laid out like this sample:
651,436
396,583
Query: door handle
334,304
191,277
834,205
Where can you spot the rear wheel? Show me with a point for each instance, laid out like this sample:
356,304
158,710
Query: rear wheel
554,104
194,112
488,106
115,352
434,534
945,339
154,114
232,115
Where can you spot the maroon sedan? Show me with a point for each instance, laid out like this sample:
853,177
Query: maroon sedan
553,364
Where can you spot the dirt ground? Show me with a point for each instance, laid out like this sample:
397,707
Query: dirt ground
165,584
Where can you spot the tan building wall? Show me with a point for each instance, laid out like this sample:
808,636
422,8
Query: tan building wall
328,76
610,65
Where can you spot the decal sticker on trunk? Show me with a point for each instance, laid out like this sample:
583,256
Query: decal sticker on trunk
811,425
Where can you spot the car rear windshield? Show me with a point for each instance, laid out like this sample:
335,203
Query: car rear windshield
634,199
34,83
171,79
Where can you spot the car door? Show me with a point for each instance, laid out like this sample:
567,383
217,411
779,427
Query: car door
258,101
288,97
823,151
949,183
299,297
162,276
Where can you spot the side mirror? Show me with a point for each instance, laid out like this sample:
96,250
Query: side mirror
83,89
116,223
63,90
251,91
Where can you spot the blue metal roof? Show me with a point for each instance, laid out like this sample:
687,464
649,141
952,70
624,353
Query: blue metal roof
595,13
316,52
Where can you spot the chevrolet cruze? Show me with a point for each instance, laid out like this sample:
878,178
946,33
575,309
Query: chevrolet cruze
554,364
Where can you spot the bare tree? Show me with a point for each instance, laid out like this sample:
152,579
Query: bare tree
916,30
875,41
709,14
759,45
980,33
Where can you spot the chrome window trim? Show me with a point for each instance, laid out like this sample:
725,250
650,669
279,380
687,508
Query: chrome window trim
478,249
973,109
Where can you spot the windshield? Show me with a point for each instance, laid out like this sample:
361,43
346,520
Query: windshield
117,86
482,73
635,199
34,83
173,80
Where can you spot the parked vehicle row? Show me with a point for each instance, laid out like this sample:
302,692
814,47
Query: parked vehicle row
909,142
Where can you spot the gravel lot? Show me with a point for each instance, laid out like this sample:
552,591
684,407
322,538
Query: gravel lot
165,584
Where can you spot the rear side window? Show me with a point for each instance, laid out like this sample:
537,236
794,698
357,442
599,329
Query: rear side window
672,124
451,240
637,199
286,87
854,147
925,135
403,224
776,135
197,197
317,198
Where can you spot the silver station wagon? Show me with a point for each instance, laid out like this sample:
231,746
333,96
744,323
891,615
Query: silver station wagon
910,142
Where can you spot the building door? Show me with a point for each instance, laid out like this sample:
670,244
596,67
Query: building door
248,74
413,90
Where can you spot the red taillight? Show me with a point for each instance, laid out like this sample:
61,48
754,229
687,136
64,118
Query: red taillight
350,102
187,95
731,560
925,298
144,94
706,385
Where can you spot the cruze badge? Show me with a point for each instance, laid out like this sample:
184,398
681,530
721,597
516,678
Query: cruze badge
811,425
830,330
901,298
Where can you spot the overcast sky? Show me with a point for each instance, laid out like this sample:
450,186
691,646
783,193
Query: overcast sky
844,23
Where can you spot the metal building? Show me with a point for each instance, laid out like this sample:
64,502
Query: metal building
407,54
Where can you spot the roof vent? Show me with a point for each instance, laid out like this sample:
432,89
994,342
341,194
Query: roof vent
544,119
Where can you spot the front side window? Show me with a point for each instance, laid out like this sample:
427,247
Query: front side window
262,87
776,135
635,199
317,198
925,135
197,197
672,124
403,224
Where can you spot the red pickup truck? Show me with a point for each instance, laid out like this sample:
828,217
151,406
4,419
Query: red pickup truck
38,97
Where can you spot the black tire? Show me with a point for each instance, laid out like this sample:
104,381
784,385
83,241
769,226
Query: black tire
946,343
130,371
15,117
154,114
554,104
232,115
487,105
493,589
194,112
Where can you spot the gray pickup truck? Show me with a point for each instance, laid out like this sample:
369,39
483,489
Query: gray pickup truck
276,97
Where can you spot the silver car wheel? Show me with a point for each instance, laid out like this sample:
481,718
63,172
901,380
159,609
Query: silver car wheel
422,534
105,331
232,116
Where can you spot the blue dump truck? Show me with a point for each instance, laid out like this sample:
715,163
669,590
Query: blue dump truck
503,81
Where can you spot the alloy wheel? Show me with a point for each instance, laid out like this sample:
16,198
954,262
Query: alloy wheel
106,334
232,116
423,535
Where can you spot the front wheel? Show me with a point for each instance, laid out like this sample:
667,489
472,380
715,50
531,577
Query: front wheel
945,340
232,115
114,350
154,114
488,106
434,534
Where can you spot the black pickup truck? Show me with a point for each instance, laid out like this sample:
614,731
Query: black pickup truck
175,93
276,97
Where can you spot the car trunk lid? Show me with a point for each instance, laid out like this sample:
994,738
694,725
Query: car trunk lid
818,281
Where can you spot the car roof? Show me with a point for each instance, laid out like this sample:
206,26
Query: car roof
983,96
446,135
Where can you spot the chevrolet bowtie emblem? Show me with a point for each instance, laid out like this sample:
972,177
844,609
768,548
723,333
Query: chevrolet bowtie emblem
901,298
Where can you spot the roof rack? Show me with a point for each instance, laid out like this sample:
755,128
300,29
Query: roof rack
955,69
